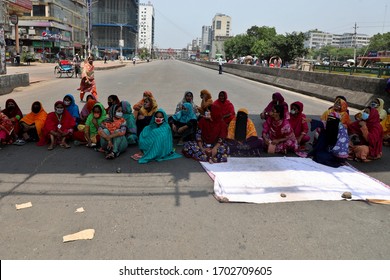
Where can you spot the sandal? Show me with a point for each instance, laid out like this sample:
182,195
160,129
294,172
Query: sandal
65,145
110,155
19,142
51,147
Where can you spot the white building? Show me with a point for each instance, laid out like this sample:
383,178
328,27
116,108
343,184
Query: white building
146,27
317,39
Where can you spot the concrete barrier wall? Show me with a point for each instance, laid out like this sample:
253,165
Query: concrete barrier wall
9,82
358,90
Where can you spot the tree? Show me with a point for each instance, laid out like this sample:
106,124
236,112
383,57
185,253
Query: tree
261,33
264,43
290,46
380,42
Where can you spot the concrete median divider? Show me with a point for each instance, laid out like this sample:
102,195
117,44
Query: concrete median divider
9,82
358,90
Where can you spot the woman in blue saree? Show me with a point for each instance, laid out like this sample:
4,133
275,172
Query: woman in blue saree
155,141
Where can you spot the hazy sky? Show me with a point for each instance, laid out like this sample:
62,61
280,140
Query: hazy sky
178,22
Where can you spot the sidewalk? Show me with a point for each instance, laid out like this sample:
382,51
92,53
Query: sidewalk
39,72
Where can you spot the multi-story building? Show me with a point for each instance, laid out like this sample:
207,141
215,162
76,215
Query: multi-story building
221,26
114,27
10,11
52,27
146,27
221,31
318,39
206,38
351,40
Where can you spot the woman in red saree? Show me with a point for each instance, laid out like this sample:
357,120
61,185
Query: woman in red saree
13,112
299,124
58,127
227,107
88,83
367,144
210,144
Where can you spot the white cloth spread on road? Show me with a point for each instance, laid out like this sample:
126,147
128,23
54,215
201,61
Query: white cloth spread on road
282,179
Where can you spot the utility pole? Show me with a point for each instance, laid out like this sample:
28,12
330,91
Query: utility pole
354,45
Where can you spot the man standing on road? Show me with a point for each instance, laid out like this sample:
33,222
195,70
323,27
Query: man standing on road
220,63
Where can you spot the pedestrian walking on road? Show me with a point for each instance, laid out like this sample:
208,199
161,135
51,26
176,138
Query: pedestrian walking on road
88,83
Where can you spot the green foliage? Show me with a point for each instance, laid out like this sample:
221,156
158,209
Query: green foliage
263,42
380,42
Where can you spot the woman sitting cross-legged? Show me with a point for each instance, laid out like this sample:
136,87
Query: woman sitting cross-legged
131,134
112,133
369,136
183,124
145,114
13,112
89,134
242,136
155,141
209,144
331,147
32,124
298,124
6,128
58,128
278,135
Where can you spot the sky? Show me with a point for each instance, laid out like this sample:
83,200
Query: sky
178,22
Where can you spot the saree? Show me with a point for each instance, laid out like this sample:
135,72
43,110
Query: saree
131,132
227,108
37,119
55,122
156,142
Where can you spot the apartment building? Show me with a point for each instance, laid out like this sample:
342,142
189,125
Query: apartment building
50,27
146,27
114,27
317,39
221,31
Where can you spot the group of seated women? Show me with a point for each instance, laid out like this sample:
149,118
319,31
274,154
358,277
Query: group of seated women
210,132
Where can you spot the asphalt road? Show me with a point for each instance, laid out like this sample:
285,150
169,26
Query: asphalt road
167,210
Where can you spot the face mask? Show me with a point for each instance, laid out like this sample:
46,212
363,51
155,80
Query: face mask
293,112
365,116
11,106
118,114
109,104
374,105
59,110
159,120
67,103
96,115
